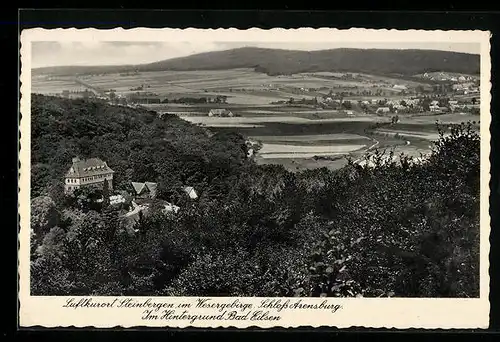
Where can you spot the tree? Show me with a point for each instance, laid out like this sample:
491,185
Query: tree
425,103
105,193
40,177
85,198
44,216
347,105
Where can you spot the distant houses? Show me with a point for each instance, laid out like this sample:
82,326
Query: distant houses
143,98
434,108
220,113
77,94
383,110
87,173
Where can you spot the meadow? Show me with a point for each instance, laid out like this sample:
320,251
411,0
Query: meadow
242,86
45,85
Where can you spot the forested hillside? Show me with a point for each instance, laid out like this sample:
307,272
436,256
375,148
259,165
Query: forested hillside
277,61
137,144
393,230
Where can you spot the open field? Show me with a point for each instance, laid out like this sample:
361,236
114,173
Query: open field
273,149
300,155
452,118
409,150
210,121
234,125
291,135
247,110
339,139
316,137
411,134
242,86
41,85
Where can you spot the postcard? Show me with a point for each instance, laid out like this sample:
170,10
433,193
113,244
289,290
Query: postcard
254,178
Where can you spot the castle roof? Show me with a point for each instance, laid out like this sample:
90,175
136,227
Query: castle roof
88,167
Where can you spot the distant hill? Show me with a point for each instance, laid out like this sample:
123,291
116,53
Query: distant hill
277,61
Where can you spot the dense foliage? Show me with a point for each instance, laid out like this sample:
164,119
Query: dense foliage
396,229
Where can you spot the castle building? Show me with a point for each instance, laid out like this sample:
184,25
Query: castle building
87,172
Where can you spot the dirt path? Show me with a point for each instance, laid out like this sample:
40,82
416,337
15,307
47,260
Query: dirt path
375,144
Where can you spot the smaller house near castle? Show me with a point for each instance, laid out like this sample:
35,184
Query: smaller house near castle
144,190
191,192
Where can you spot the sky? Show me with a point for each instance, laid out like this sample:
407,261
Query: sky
59,53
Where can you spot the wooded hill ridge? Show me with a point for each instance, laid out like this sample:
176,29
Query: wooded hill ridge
280,61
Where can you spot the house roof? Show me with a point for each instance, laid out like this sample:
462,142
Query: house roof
88,167
190,191
147,186
138,187
152,187
219,111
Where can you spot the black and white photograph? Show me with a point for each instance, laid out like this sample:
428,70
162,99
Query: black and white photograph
246,168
